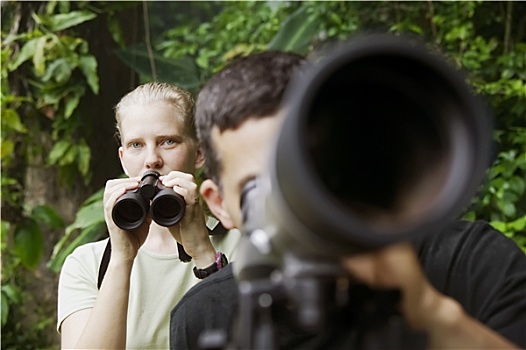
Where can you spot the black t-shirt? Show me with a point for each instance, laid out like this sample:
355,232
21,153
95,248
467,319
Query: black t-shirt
470,262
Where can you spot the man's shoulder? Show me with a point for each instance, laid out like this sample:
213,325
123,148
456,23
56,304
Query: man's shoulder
464,237
214,287
463,254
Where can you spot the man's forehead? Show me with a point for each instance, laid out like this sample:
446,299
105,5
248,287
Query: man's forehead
278,115
247,145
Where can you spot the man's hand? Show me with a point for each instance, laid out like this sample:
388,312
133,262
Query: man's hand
424,308
397,267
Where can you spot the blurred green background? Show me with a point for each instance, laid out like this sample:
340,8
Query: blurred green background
65,64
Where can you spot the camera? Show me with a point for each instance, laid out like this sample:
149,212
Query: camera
165,206
383,142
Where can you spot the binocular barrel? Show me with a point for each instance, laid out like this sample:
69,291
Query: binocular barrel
166,208
383,140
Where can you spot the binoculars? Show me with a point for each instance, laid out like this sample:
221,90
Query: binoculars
166,207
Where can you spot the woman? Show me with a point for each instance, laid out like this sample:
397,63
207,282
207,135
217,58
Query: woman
145,276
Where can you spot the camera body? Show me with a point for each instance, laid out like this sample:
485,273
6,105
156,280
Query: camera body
166,207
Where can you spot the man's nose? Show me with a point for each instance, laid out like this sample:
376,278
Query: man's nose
154,159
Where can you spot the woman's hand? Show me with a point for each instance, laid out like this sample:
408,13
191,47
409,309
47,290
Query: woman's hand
191,231
124,244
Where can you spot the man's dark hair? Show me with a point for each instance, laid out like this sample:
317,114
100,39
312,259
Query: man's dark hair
249,87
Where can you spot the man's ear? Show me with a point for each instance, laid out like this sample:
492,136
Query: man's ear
210,192
122,164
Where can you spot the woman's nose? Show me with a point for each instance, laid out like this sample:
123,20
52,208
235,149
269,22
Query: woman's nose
154,160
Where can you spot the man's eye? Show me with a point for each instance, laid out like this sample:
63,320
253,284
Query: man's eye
135,145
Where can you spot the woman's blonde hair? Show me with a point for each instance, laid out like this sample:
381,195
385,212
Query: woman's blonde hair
182,101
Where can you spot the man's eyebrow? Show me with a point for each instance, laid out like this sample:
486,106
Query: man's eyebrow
246,179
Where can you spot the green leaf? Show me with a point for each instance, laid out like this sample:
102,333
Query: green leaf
39,59
499,225
182,72
8,181
96,197
518,225
296,32
83,157
71,103
70,156
59,70
5,309
29,244
7,149
469,216
11,121
88,216
47,215
27,52
90,220
508,208
67,20
88,65
116,30
13,293
58,151
4,229
517,185
62,249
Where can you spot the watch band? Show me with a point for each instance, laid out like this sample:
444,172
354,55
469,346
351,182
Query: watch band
220,262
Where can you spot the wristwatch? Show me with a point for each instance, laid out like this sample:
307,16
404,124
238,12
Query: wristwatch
221,261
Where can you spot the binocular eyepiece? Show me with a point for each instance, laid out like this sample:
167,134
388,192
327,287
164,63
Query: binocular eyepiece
166,207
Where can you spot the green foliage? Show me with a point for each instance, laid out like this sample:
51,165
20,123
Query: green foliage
502,201
44,73
481,38
183,70
189,53
89,226
47,69
29,243
22,245
296,32
56,68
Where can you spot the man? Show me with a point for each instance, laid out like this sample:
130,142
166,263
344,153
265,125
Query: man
457,291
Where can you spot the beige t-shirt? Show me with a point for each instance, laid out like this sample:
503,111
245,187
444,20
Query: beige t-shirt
163,281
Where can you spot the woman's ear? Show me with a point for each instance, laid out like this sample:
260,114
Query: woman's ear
122,164
210,192
200,158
